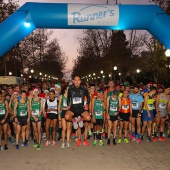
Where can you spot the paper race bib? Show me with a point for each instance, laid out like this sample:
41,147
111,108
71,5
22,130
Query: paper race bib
77,100
98,113
135,105
2,111
113,108
35,112
125,107
65,103
162,106
150,106
23,112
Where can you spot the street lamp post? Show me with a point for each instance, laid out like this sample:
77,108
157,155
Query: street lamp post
115,69
101,74
167,53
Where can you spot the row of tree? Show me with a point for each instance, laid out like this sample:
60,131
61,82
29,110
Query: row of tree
104,49
37,51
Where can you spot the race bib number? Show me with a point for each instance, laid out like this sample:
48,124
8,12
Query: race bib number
98,113
2,112
65,103
162,106
35,112
113,108
23,113
125,107
77,100
150,106
135,105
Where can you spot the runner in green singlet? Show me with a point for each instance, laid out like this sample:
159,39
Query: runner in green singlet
36,108
22,118
113,107
98,107
3,120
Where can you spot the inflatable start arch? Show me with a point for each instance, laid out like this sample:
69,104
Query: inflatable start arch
81,16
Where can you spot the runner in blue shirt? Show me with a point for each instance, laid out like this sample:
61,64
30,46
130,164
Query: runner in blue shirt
137,104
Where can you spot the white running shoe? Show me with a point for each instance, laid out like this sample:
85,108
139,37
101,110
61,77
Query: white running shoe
80,120
62,145
75,125
68,145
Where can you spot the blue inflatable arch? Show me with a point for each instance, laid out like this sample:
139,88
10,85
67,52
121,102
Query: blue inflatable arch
80,16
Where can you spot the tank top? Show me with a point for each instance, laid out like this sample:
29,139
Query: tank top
98,109
150,103
12,105
113,106
35,107
63,102
2,108
162,104
52,105
125,105
22,109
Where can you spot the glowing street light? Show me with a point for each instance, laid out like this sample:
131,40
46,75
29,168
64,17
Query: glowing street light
115,68
101,71
119,74
40,74
10,73
138,71
94,74
167,53
32,71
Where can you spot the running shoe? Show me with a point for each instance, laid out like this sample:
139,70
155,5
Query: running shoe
164,135
103,134
75,125
149,139
130,135
38,148
154,138
139,141
24,144
10,140
1,148
86,143
162,139
5,147
119,141
35,145
108,142
95,142
68,145
114,142
47,143
73,135
132,138
43,136
62,145
101,143
17,147
90,133
80,120
126,140
78,142
53,143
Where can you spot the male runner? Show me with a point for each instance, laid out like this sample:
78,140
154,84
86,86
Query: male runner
76,107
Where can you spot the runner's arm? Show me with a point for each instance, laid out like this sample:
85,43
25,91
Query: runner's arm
157,102
7,109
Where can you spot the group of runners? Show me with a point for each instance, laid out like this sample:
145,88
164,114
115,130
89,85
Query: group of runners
84,110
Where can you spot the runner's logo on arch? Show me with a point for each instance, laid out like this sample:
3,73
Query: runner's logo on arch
94,15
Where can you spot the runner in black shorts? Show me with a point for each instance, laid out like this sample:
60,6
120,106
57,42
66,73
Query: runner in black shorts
4,111
66,126
113,107
21,117
77,106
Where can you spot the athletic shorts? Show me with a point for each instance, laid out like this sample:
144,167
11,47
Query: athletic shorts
22,120
124,116
1,118
39,119
52,116
77,111
154,112
113,118
99,122
145,115
63,113
135,113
